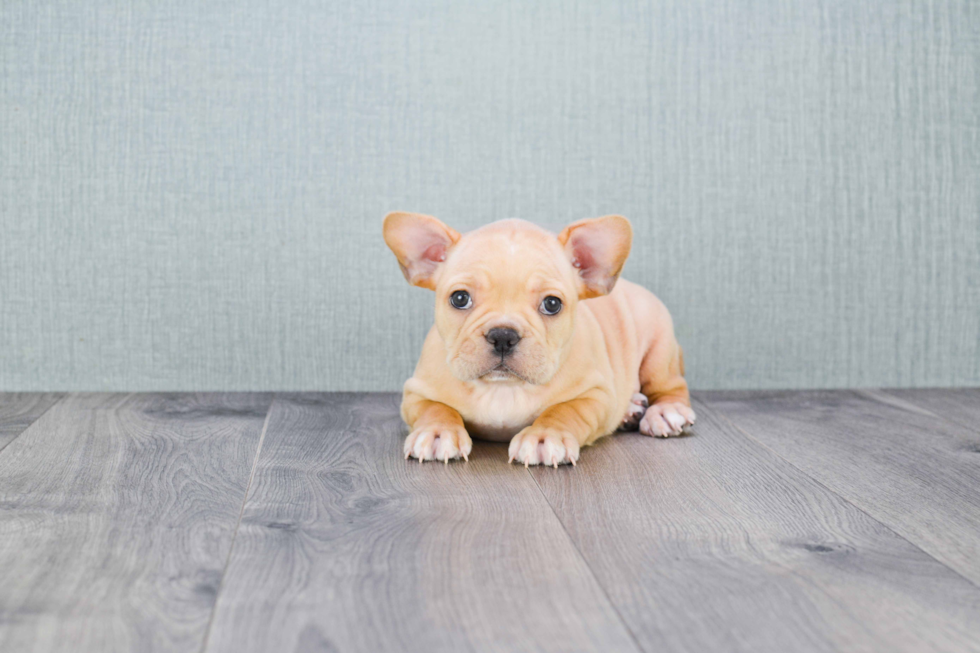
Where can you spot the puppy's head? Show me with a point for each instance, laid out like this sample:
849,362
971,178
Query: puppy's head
506,294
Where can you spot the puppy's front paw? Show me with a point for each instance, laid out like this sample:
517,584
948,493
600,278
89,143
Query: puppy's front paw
667,419
538,445
443,443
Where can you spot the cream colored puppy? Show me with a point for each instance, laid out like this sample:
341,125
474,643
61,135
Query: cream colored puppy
534,340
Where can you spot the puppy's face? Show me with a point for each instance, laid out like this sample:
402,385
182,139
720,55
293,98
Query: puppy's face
506,294
505,304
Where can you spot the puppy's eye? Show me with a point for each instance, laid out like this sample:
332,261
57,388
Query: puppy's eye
550,305
461,299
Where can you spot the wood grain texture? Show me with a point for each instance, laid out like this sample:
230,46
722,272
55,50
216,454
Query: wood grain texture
117,514
905,466
346,546
713,543
958,405
18,410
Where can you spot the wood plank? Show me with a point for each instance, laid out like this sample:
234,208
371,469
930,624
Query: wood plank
961,405
18,410
346,546
913,471
712,543
118,514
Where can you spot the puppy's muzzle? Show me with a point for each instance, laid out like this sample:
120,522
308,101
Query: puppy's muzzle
503,340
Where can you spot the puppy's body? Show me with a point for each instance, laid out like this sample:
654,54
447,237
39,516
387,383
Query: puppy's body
563,379
613,336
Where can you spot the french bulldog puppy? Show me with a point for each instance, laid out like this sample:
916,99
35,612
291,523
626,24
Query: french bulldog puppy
535,341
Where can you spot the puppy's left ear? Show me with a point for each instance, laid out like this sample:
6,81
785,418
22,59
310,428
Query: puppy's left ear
598,247
420,242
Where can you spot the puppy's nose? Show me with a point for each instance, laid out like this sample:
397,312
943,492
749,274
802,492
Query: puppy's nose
502,340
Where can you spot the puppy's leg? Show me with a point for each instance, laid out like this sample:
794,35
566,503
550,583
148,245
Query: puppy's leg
557,434
437,431
662,382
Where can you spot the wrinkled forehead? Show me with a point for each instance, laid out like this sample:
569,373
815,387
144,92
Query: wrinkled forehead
517,254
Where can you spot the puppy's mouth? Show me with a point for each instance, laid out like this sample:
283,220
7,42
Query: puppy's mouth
501,373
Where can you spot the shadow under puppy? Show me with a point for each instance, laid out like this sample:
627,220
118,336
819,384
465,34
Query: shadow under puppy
535,341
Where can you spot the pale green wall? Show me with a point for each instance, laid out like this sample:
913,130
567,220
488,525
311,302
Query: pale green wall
191,192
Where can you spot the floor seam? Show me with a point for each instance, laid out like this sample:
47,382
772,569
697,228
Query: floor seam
241,513
60,399
722,416
581,556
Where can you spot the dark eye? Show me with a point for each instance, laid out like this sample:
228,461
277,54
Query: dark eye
460,299
550,305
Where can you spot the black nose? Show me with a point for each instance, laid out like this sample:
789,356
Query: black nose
502,340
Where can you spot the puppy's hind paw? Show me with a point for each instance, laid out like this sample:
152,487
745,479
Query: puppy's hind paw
663,420
634,413
442,443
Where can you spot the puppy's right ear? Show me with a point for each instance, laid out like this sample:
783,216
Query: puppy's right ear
598,248
420,243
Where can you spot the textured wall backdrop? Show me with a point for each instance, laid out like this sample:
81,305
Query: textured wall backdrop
191,192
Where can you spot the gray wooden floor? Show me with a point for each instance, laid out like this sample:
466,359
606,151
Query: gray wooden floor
789,521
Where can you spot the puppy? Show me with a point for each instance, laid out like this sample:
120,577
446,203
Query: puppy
535,341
